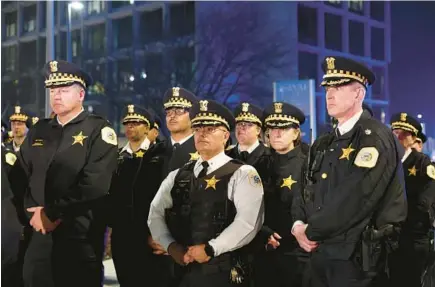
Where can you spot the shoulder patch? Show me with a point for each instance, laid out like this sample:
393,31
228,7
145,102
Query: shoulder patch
10,158
367,157
109,136
254,179
430,170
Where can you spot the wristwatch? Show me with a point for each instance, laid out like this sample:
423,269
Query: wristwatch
209,250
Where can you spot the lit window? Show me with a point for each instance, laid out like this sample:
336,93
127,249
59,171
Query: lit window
356,6
11,24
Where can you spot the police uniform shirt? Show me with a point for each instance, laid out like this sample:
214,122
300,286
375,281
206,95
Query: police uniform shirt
407,153
251,148
15,147
244,190
349,124
143,146
181,141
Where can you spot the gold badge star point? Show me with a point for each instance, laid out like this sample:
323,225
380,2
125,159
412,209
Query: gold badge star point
346,152
194,156
139,153
288,182
212,182
412,171
79,138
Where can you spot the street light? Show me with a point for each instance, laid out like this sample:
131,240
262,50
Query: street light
78,6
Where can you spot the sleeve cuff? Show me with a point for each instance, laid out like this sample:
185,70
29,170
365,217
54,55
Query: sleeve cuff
52,213
308,233
213,244
165,241
297,222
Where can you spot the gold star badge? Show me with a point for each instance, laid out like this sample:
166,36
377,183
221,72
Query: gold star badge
139,153
288,182
412,171
79,138
346,152
212,182
194,156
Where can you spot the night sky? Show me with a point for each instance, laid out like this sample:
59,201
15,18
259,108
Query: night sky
412,68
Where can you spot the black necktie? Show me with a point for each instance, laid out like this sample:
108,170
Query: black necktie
337,132
175,146
203,172
244,156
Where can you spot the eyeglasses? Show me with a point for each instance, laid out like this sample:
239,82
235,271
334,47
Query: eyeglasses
175,111
244,125
207,130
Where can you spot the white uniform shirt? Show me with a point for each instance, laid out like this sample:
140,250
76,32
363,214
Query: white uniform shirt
251,148
244,190
144,146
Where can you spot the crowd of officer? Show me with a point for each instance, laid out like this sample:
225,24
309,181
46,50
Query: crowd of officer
354,208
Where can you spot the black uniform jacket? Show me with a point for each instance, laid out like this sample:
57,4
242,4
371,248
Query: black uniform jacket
10,226
420,191
175,159
288,184
69,168
357,179
134,185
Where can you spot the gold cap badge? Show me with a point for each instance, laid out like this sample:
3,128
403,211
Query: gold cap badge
330,63
130,109
403,117
17,109
278,108
175,91
245,107
203,106
53,66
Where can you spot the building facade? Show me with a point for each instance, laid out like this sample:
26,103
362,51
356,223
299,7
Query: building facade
136,50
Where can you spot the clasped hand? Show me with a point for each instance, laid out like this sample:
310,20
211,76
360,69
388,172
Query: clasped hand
185,256
40,222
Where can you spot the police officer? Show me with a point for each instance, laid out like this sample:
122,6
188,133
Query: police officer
180,147
15,223
213,205
69,161
137,179
278,264
409,261
353,183
248,148
11,228
20,123
153,134
5,134
419,142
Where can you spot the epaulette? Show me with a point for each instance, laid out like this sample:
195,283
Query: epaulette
100,118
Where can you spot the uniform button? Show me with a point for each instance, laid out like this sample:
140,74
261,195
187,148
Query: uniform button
318,208
324,175
331,149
